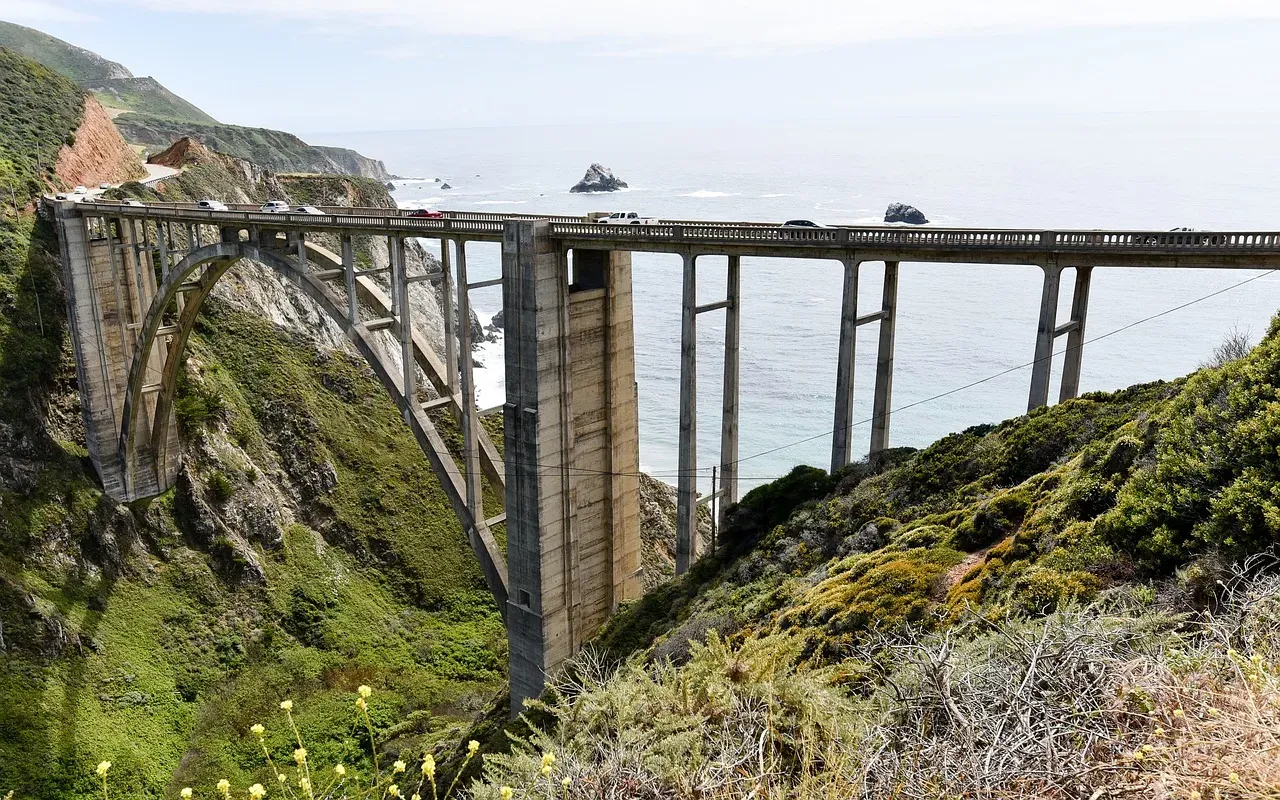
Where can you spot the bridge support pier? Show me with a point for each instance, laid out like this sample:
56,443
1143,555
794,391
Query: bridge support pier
1046,332
571,446
1075,335
729,412
687,479
109,285
882,404
842,429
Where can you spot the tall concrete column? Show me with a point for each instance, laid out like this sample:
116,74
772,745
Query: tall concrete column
883,403
1075,337
450,320
571,447
687,482
404,327
842,428
349,276
470,436
1046,331
729,413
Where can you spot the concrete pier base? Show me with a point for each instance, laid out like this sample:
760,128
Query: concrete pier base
571,446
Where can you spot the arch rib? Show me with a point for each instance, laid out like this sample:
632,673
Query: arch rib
216,259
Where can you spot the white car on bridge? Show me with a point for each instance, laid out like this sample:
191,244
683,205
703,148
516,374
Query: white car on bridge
627,218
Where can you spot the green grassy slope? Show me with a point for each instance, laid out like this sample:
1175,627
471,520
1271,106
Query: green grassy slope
39,113
76,63
306,549
112,83
146,96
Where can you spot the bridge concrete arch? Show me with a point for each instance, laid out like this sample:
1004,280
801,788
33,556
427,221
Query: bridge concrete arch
147,450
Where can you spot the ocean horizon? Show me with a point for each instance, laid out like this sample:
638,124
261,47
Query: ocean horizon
958,325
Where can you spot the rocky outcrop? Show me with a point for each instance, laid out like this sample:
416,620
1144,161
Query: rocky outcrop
352,163
901,212
599,178
445,186
658,530
96,154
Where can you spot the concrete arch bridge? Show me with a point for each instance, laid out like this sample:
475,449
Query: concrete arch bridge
137,276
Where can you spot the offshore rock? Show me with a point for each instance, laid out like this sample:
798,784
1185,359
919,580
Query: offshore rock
901,212
445,186
391,187
599,178
498,320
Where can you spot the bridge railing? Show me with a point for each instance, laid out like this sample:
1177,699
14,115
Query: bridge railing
490,226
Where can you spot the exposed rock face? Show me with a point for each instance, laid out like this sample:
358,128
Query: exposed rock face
498,320
98,154
352,163
658,530
599,178
901,212
391,187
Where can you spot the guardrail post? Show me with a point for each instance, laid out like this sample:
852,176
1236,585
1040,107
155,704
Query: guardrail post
842,429
1075,339
1042,367
687,483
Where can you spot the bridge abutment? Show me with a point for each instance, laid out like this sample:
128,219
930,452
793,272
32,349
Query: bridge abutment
572,448
109,280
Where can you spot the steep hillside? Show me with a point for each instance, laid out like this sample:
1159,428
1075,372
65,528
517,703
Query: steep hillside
76,63
1081,602
113,84
307,548
39,114
146,96
276,150
95,153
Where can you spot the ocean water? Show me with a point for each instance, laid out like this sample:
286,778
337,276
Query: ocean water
957,324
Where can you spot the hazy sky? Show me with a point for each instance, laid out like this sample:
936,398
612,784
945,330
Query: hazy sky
342,65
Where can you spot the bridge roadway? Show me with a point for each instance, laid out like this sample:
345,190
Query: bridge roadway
1119,248
136,277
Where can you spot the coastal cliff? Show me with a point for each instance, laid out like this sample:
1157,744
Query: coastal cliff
96,153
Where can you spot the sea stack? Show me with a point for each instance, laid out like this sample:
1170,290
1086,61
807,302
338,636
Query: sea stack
445,186
599,178
901,212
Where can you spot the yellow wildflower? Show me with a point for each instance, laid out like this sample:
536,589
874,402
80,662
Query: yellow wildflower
361,704
280,776
472,747
1146,748
1159,731
103,766
429,766
1177,713
393,790
185,793
1234,777
1194,795
546,771
566,783
224,786
506,792
1213,712
300,755
399,766
364,691
548,759
1138,755
416,796
257,792
257,730
286,705
339,770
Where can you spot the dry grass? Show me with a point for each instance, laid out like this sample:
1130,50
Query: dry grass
1120,699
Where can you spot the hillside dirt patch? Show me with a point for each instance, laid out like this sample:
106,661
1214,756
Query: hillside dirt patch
98,154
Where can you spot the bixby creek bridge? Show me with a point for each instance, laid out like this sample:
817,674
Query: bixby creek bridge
137,276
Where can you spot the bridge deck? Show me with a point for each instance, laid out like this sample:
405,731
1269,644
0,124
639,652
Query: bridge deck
1129,248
